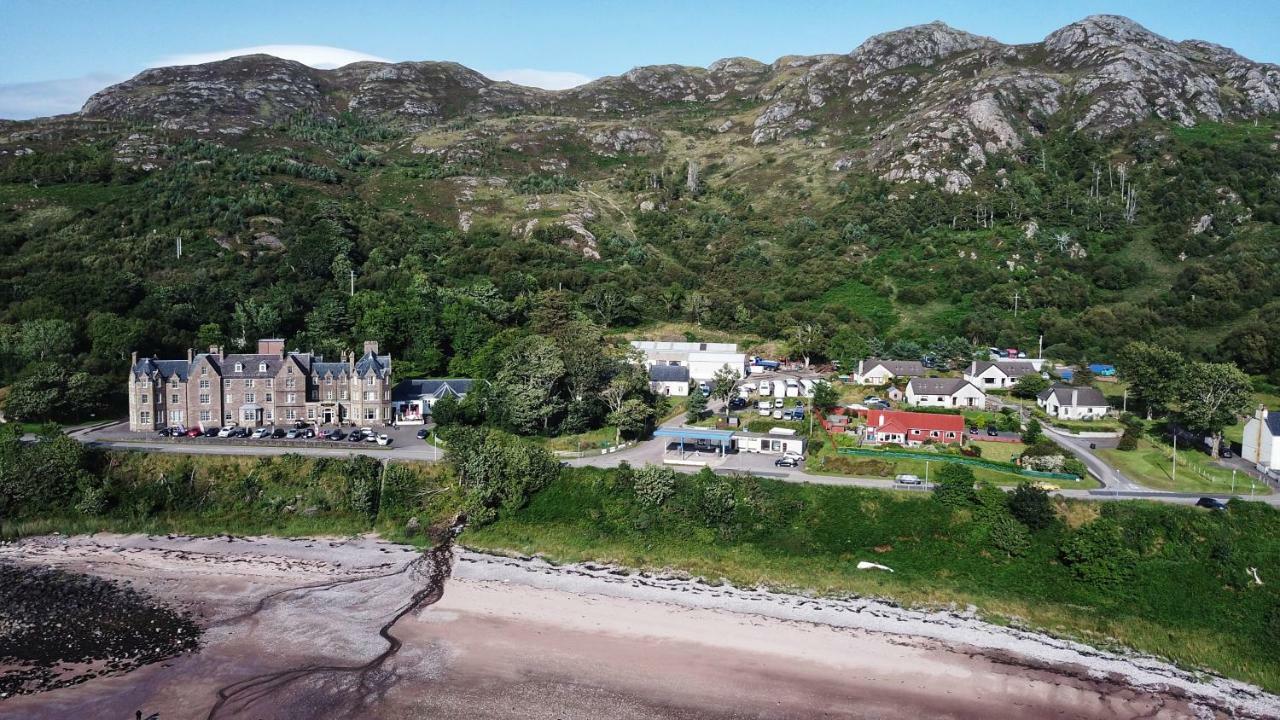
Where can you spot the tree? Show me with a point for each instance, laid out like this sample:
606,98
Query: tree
653,484
529,383
629,382
112,337
445,410
1034,433
51,392
1031,507
825,395
953,485
632,418
724,385
497,471
696,405
1153,372
1212,397
1029,386
44,339
847,347
806,340
210,335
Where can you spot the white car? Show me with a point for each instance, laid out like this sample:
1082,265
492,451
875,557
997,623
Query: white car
262,432
765,388
870,400
226,431
779,403
777,414
792,454
384,439
747,388
763,406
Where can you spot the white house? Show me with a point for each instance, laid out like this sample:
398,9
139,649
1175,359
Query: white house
1067,402
874,371
702,359
945,392
669,380
774,442
412,400
999,374
1261,445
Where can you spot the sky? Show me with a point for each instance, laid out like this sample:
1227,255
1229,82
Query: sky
55,53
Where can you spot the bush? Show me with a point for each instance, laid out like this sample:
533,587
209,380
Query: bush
1009,536
1096,553
1129,440
1033,434
654,484
954,485
718,498
1031,507
497,470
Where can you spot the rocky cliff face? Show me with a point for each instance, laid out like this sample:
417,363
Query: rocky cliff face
928,103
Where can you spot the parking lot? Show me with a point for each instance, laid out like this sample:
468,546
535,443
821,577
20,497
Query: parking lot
404,443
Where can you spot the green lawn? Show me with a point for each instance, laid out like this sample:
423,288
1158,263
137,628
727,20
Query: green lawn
1151,465
999,451
602,437
829,462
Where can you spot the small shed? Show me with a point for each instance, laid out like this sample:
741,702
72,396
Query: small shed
775,442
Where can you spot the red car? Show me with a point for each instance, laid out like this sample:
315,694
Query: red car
194,432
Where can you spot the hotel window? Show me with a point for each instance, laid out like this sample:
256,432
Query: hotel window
204,370
227,416
311,413
262,367
144,397
173,400
268,397
369,381
250,397
290,414
270,383
268,414
144,417
175,417
228,398
371,395
343,394
371,413
328,394
291,397
226,383
239,367
205,416
248,383
289,384
328,381
204,384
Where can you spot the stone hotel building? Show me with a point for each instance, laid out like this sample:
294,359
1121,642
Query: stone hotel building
270,387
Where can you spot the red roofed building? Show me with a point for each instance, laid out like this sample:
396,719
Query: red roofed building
912,428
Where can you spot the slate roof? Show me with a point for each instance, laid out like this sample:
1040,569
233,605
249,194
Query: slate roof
1273,423
669,373
937,386
909,368
1085,396
379,365
249,364
166,368
1011,368
430,387
338,369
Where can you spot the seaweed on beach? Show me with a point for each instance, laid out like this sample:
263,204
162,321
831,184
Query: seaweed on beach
60,628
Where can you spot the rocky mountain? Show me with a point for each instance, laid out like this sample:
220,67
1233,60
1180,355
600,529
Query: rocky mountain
928,103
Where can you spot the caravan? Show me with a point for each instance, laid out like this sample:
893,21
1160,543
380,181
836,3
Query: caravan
792,388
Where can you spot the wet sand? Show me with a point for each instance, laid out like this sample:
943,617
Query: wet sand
290,627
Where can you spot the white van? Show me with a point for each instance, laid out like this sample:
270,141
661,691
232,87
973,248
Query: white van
807,386
766,388
792,388
765,407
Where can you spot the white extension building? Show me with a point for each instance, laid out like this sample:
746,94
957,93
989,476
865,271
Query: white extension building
1261,442
702,359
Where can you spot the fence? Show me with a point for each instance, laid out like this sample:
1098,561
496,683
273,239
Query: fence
958,459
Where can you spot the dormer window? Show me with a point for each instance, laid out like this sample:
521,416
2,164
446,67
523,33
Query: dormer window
262,367
239,367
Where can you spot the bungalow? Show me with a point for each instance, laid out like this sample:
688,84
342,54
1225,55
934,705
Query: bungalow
1261,442
945,392
999,374
669,380
873,371
912,428
1067,402
412,400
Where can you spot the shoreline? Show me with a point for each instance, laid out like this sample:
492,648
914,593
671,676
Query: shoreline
521,637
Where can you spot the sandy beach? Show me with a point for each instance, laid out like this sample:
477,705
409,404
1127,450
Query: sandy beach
309,629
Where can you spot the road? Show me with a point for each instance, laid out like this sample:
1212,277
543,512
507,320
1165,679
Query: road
408,447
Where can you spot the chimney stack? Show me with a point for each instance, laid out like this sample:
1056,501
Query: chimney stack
371,346
191,355
133,359
1074,394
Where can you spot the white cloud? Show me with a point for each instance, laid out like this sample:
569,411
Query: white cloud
317,56
545,79
22,101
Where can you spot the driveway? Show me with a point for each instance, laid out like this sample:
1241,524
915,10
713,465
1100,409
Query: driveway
1110,477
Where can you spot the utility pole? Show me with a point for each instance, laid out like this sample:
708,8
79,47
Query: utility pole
1124,405
179,248
1040,351
353,283
1015,304
1175,458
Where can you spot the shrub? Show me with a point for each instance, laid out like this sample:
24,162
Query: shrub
954,486
1096,553
1009,536
1129,440
1031,507
653,484
497,470
717,501
1033,434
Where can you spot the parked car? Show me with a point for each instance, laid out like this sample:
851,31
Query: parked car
908,480
369,434
779,403
240,432
1045,486
871,401
308,432
737,403
992,432
787,461
1211,503
356,436
704,388
763,406
777,414
195,432
423,433
384,439
334,434
793,454
766,388
212,431
1225,452
293,434
797,412
226,431
163,432
278,433
262,432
